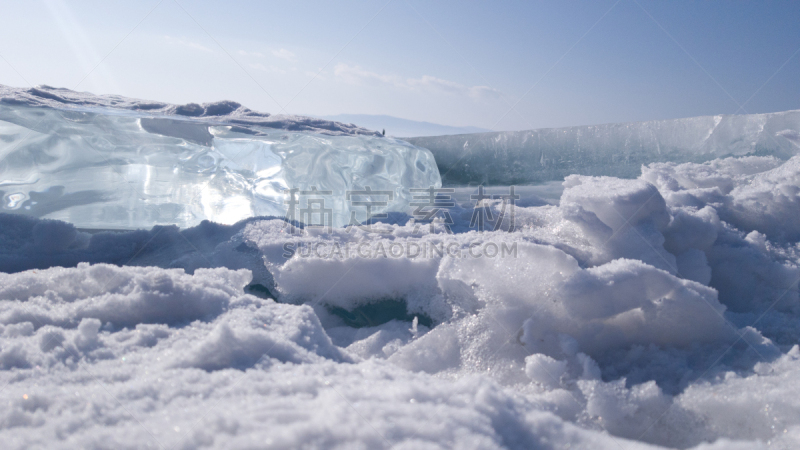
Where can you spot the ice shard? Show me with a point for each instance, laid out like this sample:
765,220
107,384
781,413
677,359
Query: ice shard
618,149
116,163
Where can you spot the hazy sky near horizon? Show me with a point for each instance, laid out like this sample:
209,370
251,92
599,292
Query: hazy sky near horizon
503,65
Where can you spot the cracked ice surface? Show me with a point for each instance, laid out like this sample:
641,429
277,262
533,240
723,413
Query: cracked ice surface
117,163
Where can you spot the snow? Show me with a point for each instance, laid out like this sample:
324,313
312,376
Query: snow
106,162
653,311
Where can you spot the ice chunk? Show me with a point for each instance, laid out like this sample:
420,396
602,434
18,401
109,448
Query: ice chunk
618,149
110,165
749,193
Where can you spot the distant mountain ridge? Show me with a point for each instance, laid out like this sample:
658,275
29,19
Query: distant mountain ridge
398,127
223,112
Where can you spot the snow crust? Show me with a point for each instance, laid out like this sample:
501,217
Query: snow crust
635,313
617,149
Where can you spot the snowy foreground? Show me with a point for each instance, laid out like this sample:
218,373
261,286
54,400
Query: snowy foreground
641,312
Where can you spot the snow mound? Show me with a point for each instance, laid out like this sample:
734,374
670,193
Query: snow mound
119,296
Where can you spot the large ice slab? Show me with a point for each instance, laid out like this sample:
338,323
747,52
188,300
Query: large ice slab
116,163
618,149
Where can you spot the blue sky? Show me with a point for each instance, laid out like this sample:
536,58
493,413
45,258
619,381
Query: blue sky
501,65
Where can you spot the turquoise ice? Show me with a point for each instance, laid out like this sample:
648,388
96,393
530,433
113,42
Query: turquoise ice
98,166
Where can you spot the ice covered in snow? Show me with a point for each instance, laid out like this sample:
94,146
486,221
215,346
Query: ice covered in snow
633,313
618,149
108,162
656,309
